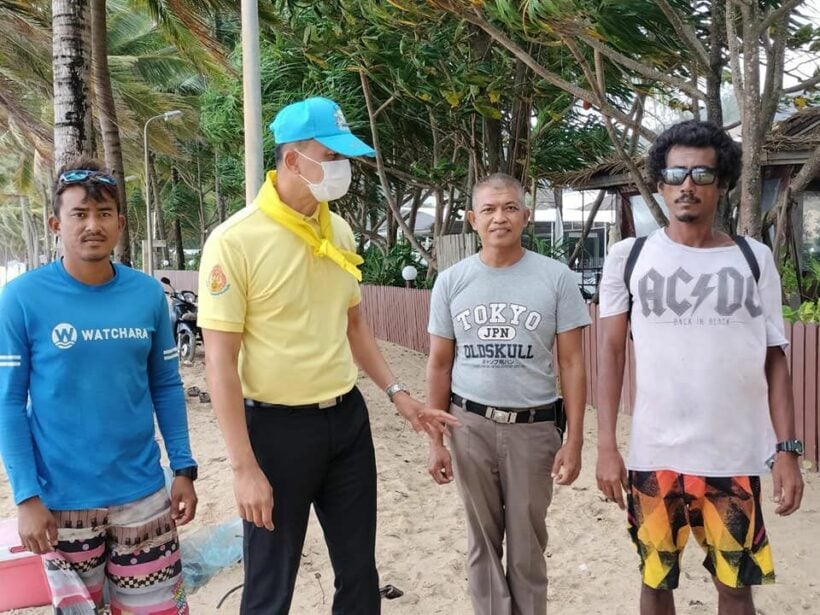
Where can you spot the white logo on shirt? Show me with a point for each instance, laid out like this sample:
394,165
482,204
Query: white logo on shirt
498,314
64,335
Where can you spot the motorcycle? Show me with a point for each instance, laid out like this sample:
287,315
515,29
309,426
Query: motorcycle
183,311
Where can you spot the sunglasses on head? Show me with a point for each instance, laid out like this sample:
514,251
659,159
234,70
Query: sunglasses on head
701,176
80,176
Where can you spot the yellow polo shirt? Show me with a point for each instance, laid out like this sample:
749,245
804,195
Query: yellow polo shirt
259,279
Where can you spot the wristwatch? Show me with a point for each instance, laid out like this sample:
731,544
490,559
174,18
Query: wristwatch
189,472
790,446
395,388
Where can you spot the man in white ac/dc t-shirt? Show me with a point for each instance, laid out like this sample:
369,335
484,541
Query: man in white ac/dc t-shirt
714,399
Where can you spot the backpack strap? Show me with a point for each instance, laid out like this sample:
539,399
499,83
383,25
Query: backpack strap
744,246
634,253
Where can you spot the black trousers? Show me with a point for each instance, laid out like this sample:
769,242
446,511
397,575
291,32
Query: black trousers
324,458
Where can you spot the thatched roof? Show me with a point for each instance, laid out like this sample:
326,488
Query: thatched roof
791,142
798,132
608,173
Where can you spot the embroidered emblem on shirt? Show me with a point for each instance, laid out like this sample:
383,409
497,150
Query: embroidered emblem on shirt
217,281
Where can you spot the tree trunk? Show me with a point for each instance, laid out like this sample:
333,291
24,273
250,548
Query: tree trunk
717,34
578,250
109,127
178,243
749,222
25,223
221,211
518,148
48,238
71,59
203,223
385,184
160,230
493,144
180,250
414,210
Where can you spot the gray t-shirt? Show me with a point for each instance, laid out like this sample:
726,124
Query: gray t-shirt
504,322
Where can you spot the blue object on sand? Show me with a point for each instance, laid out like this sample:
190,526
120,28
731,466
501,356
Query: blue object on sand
209,550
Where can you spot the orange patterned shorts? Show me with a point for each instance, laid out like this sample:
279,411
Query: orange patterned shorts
723,513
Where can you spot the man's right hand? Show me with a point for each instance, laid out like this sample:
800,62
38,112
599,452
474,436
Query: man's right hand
254,496
611,474
440,464
37,526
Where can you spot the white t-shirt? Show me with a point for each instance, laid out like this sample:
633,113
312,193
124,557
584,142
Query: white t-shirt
701,327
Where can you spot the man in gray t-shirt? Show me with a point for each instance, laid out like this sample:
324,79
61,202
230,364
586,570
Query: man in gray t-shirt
494,320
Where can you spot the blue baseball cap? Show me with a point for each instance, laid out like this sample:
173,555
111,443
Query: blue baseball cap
320,119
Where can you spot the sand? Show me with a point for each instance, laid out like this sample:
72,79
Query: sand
422,542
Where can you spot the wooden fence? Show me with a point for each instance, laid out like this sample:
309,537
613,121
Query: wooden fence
400,315
181,280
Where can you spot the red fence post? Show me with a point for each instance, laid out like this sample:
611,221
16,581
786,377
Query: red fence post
811,408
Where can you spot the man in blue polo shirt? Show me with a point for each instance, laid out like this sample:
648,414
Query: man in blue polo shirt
87,359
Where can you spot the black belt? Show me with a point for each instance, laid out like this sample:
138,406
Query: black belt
321,405
538,414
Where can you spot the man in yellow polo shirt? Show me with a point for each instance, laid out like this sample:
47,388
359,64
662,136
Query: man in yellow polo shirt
278,303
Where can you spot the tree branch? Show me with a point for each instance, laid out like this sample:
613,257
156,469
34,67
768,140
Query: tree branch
686,32
643,69
637,176
388,194
810,170
579,246
773,80
803,85
734,56
384,105
477,19
776,14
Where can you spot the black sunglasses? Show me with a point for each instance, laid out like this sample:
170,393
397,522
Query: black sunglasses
79,176
701,176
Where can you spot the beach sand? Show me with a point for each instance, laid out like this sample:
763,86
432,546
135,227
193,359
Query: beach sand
422,541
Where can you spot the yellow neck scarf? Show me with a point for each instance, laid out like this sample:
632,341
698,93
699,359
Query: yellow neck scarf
269,202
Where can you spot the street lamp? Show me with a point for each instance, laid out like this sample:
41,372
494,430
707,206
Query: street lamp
148,265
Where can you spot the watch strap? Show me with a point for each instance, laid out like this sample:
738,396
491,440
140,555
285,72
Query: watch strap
190,472
790,446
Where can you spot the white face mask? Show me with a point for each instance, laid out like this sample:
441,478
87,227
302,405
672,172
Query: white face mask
335,181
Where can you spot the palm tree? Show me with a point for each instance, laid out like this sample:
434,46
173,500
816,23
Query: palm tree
71,62
107,111
137,69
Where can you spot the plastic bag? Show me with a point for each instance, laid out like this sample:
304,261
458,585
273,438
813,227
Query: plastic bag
209,550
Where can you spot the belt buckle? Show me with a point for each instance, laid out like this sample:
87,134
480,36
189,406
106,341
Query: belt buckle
328,403
499,416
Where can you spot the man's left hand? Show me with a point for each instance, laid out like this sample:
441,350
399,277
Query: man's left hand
567,465
787,482
430,420
183,500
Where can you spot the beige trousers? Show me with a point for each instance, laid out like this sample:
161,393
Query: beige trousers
503,475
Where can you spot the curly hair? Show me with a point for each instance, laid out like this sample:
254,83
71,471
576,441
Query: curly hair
695,133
